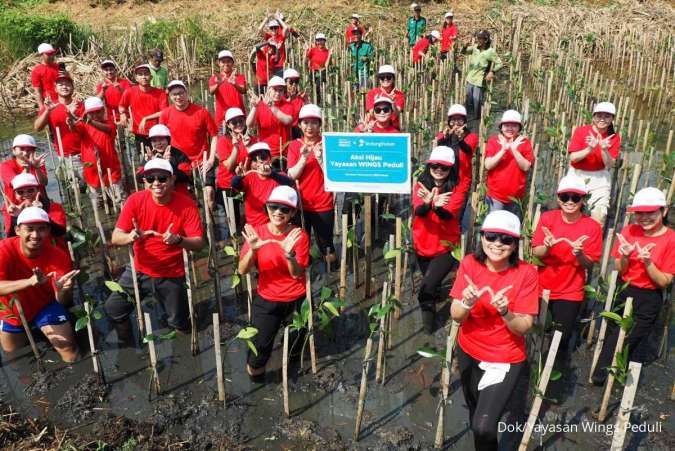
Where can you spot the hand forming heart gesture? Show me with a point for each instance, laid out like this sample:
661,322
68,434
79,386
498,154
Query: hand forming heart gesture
550,241
626,248
255,242
498,300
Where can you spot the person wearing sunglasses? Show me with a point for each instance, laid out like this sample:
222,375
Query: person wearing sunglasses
593,150
420,50
256,178
279,251
159,222
644,256
568,243
495,299
386,77
24,159
305,166
435,228
459,137
296,97
227,86
381,119
508,158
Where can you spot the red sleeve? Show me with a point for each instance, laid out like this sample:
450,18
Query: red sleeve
527,299
593,246
492,146
99,88
460,282
126,98
211,127
301,249
472,141
192,226
163,100
164,117
578,140
125,220
240,80
399,100
615,146
35,77
615,246
293,153
57,214
456,201
525,149
212,81
416,199
538,236
370,100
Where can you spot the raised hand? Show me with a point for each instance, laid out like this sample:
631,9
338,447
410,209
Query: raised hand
592,141
252,238
169,237
500,301
37,202
441,200
426,195
137,234
503,141
517,142
470,294
254,99
625,248
645,253
13,209
578,245
605,142
38,277
291,240
549,239
37,161
65,282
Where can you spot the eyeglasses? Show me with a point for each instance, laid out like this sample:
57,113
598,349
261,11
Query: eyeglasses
26,191
293,81
160,178
238,121
439,166
566,197
383,109
285,209
386,77
506,240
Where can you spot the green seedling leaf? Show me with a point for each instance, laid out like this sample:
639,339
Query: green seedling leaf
428,352
326,292
236,280
81,323
114,286
251,346
331,307
247,333
627,323
388,217
230,251
612,316
168,336
150,337
392,253
555,375
97,315
315,252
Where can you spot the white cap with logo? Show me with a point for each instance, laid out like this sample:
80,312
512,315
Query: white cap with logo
502,221
225,54
383,99
442,155
386,69
648,199
24,140
284,195
435,34
310,111
291,73
158,164
572,184
173,83
159,130
456,110
511,117
231,113
24,179
32,215
258,147
320,36
605,107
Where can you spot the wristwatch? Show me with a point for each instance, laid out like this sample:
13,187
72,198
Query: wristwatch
290,255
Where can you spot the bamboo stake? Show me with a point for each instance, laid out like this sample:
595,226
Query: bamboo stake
137,292
538,398
603,325
284,373
381,340
355,251
445,384
363,389
219,359
92,344
343,259
633,187
310,322
610,378
153,357
193,320
29,334
627,399
606,251
397,273
367,205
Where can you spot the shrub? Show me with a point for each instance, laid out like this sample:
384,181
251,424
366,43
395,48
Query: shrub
163,32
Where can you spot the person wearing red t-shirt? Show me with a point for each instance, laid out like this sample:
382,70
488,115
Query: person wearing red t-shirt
568,243
495,299
644,256
318,60
27,192
421,47
463,142
263,57
227,86
160,140
448,35
101,164
232,152
296,97
355,22
38,275
43,76
59,117
279,251
508,158
256,181
435,228
142,102
112,87
381,120
386,76
593,151
276,34
160,223
305,166
272,115
24,160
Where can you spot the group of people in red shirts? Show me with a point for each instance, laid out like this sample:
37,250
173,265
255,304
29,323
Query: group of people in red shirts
495,295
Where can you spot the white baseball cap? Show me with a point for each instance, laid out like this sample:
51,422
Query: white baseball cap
93,104
276,82
386,69
572,184
320,36
32,215
414,5
284,195
310,111
108,63
273,23
605,107
291,73
502,221
258,147
225,54
449,14
456,110
24,140
24,179
382,99
159,130
159,164
435,34
143,66
174,83
648,199
355,16
442,155
231,113
45,48
511,116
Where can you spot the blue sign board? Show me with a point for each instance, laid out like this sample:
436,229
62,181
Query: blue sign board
367,162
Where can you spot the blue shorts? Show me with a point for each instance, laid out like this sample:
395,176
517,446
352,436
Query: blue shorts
53,314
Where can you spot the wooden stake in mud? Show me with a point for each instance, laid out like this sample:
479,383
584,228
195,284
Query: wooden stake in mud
397,270
606,251
343,259
154,381
367,225
284,373
445,385
355,250
193,318
219,358
379,361
362,389
92,345
310,322
627,309
29,334
137,291
538,398
603,324
626,406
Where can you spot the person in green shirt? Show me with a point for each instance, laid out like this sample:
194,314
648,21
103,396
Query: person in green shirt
416,25
483,63
362,54
160,74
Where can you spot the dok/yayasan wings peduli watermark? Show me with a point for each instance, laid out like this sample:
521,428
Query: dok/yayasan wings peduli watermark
590,427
